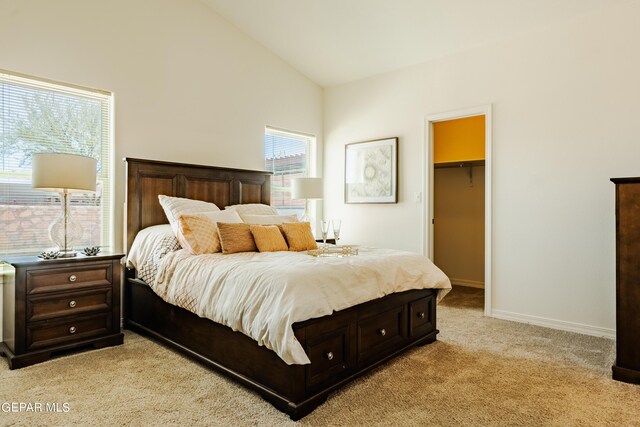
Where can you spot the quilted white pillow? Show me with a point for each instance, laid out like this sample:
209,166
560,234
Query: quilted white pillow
252,209
174,207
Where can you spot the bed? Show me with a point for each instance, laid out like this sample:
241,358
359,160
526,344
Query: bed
340,346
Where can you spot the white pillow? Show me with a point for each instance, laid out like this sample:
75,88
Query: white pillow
176,206
252,209
148,250
268,219
145,242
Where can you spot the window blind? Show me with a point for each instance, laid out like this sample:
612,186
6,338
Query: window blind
287,155
42,116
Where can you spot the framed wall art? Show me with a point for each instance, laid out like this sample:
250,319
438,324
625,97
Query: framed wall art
371,171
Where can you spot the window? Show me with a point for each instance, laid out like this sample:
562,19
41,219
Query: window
41,116
287,155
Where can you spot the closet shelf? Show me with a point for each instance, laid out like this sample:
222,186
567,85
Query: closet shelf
461,164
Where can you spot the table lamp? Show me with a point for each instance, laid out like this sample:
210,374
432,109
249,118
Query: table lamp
307,189
64,174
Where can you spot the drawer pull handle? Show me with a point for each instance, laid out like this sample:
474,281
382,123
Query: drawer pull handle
421,315
329,355
382,332
72,330
72,303
73,278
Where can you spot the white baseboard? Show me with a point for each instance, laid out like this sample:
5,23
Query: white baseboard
562,325
467,283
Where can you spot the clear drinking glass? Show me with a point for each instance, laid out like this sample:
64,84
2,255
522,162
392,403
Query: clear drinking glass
324,224
336,229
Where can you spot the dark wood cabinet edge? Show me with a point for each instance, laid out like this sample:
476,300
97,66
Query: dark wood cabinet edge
625,375
626,180
34,261
33,357
329,241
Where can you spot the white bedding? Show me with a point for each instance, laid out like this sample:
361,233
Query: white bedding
263,294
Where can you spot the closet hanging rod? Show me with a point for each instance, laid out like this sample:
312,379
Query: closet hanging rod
459,164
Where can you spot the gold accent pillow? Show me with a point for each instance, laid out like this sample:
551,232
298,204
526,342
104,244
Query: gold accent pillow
268,238
236,238
198,233
299,236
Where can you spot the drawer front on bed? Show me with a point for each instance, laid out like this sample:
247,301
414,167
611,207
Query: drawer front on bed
421,316
381,333
69,303
63,279
47,334
330,354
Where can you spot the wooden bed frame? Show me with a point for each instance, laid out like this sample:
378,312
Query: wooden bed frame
341,346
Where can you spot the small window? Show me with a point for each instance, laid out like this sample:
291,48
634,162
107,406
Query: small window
288,155
40,116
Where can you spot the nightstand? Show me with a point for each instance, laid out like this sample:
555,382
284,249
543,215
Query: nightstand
58,305
329,241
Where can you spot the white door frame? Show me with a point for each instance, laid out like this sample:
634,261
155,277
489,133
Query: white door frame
428,208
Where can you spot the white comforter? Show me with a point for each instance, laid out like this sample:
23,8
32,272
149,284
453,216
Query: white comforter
263,294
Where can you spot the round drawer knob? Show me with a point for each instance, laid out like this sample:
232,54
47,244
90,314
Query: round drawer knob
72,330
421,315
329,355
72,304
382,332
73,278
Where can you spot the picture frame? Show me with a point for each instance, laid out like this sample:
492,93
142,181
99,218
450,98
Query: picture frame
371,171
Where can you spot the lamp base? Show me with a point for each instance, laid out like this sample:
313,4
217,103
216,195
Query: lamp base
67,254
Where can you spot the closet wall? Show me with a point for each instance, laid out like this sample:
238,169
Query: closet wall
459,199
459,226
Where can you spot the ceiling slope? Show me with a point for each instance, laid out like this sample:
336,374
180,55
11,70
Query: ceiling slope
338,41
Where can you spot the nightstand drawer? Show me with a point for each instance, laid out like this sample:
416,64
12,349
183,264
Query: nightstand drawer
60,279
48,307
46,334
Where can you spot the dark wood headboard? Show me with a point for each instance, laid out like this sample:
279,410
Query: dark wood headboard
146,179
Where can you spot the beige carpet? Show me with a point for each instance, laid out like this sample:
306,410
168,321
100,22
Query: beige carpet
481,372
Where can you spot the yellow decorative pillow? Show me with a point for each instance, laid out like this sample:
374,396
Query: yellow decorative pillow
198,233
236,238
299,236
268,238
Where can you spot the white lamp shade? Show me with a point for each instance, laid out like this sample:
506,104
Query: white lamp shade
57,171
306,188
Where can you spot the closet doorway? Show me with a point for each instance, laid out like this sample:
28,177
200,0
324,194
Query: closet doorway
459,201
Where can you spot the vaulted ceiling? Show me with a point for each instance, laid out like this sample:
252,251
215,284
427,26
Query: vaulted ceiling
337,41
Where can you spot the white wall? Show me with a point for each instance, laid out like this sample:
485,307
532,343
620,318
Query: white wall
565,120
189,87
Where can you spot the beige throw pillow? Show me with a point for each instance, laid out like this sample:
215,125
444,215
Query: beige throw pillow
268,238
236,238
198,233
299,236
